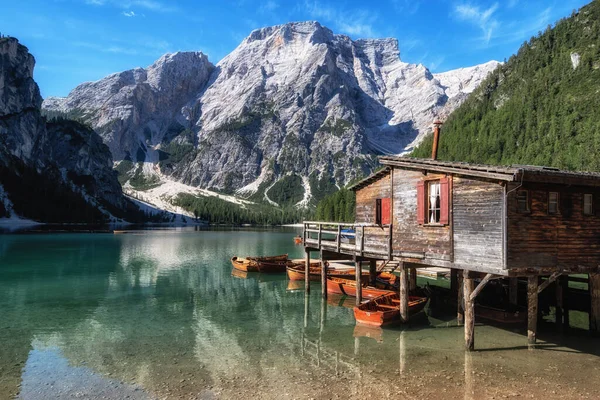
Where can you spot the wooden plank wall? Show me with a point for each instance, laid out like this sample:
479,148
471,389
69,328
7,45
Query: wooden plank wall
375,238
567,239
408,235
477,215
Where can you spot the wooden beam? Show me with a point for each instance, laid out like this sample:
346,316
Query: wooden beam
548,281
460,312
372,272
532,309
559,304
454,281
513,291
358,273
323,276
403,293
413,279
307,272
480,287
468,289
339,238
565,293
594,287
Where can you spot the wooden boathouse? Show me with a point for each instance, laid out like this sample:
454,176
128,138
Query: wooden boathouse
483,222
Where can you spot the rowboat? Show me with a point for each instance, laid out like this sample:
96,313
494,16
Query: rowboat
385,310
261,264
296,272
244,264
347,287
297,240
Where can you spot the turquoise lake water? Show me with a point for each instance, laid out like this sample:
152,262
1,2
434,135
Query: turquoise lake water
158,314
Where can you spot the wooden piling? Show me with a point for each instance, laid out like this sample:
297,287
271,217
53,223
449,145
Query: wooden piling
468,287
513,291
558,290
413,280
358,274
454,282
594,288
564,282
307,273
403,293
372,272
460,313
323,276
532,309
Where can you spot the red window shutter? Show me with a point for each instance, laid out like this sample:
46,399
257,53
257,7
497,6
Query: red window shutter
421,202
386,211
444,201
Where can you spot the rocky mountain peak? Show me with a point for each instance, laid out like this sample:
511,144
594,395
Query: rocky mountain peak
18,91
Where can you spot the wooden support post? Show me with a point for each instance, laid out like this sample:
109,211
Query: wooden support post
594,287
372,272
413,280
460,301
468,288
403,293
564,282
358,273
338,239
532,309
306,308
402,355
454,282
323,316
307,273
559,304
480,287
548,281
513,291
323,276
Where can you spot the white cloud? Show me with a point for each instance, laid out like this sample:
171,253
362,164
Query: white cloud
129,13
269,6
151,5
358,23
483,18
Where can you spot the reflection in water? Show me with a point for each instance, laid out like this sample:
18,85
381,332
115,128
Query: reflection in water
160,315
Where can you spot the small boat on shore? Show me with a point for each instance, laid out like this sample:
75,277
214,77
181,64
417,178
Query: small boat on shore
385,310
347,287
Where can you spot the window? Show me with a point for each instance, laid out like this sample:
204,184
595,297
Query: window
588,207
523,201
434,202
552,202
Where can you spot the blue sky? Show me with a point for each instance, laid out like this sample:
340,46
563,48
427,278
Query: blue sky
81,40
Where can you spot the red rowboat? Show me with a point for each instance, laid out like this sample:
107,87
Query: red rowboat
347,287
296,272
385,310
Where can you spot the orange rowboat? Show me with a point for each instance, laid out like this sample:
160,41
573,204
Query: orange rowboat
244,264
348,287
296,272
385,310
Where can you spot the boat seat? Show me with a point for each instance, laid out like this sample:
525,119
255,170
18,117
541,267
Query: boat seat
387,306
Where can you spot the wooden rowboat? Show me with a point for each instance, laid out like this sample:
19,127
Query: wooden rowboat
282,257
295,272
347,287
244,264
385,310
499,315
270,267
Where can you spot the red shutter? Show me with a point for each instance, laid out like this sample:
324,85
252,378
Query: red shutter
421,202
386,211
444,201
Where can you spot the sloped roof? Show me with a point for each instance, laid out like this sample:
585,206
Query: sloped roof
512,173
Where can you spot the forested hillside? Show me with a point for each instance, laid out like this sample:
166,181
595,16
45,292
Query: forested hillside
541,107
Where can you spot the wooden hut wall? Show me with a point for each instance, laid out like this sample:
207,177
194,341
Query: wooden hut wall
408,236
567,239
366,198
477,215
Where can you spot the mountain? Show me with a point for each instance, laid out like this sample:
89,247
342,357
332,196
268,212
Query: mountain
540,107
292,113
52,172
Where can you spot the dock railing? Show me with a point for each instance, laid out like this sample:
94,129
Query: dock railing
349,238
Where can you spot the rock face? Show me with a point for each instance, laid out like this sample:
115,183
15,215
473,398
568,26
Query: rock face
292,99
61,154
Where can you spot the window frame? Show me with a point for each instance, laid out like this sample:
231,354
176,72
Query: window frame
557,210
527,200
591,197
428,206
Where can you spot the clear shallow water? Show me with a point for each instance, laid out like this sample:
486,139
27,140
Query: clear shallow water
159,315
